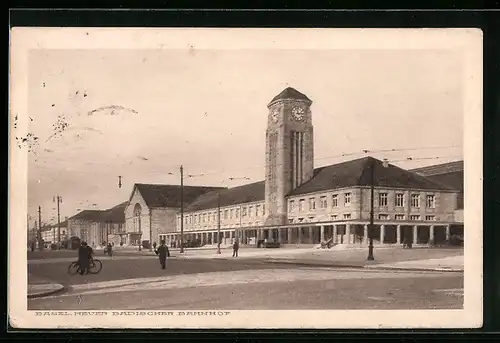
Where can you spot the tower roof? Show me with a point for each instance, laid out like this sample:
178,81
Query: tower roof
290,93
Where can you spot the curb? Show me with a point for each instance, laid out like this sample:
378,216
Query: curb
41,294
415,269
315,264
367,267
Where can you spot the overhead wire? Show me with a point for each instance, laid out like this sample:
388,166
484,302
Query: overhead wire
169,170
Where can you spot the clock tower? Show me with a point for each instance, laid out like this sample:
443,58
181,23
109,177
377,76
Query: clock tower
289,151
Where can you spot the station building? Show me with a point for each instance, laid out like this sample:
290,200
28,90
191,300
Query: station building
296,203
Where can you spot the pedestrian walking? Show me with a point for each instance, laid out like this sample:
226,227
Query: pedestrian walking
236,247
163,253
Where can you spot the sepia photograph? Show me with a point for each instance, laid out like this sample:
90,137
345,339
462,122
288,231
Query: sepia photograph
245,178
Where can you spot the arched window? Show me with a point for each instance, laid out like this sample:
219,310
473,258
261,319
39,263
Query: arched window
137,218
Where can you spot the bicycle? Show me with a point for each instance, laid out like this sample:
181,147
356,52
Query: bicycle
95,266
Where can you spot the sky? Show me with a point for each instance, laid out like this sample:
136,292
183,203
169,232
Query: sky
152,111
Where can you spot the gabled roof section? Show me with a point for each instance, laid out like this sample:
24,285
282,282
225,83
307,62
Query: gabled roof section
450,174
88,215
358,173
290,93
115,214
170,195
62,224
230,196
443,168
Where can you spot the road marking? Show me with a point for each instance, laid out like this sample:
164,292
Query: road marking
229,278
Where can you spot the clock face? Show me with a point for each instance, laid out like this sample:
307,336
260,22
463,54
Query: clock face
275,114
298,113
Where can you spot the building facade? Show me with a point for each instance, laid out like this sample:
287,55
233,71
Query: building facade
152,210
98,226
450,174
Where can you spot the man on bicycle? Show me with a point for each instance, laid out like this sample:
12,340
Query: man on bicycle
84,256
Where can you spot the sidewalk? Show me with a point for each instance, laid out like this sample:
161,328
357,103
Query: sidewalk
452,264
39,287
430,259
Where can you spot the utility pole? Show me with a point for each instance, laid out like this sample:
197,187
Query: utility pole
107,231
59,200
182,210
385,164
39,234
372,191
218,222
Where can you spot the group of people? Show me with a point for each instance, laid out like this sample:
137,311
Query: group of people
163,252
85,253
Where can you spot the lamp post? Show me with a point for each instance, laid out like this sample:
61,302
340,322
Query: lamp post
58,198
108,223
218,222
372,196
182,211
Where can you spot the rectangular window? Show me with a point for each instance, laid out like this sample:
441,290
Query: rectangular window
415,200
290,221
399,216
312,203
231,213
383,217
311,219
226,214
301,205
335,200
301,220
347,216
263,209
430,201
430,218
382,199
399,200
333,217
237,212
257,210
250,211
347,199
243,211
292,205
414,217
322,202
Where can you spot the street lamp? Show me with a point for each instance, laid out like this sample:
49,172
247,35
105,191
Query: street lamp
218,222
58,198
182,211
372,191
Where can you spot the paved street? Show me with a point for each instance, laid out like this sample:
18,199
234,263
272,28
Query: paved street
137,282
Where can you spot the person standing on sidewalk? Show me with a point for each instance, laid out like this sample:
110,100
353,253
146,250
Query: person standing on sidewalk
163,253
236,247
